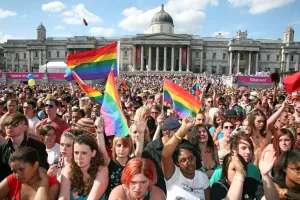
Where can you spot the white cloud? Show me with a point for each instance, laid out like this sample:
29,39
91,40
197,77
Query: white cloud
59,27
4,37
100,31
54,6
24,16
187,16
7,13
260,6
226,34
76,15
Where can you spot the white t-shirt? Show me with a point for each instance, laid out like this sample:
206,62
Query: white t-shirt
32,124
53,154
181,188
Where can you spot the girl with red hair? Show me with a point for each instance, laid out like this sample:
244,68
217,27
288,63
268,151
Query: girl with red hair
138,179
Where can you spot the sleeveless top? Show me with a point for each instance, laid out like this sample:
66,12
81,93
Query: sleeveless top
147,196
83,197
222,153
214,166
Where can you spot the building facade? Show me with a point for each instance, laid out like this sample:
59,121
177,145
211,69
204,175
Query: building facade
163,51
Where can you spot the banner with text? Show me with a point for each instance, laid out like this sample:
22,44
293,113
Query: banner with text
253,79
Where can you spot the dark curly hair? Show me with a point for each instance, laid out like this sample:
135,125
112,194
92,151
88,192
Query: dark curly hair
194,137
79,185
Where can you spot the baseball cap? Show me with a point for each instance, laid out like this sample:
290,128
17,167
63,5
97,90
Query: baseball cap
171,124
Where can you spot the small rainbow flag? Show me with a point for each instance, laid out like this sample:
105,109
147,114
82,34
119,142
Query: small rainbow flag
114,119
184,103
94,94
124,85
196,88
94,64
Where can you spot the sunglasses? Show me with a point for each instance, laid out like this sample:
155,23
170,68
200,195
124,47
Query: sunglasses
49,105
14,124
227,127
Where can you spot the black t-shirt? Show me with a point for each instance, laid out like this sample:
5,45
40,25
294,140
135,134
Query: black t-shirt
115,172
252,189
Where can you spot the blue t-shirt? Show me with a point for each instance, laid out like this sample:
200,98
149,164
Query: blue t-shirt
221,134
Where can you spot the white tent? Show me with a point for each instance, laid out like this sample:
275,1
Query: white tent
53,67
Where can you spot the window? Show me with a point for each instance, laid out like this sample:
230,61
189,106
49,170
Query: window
277,58
292,58
197,54
224,56
125,53
24,55
268,57
36,54
259,57
241,57
204,55
49,54
57,54
214,55
17,56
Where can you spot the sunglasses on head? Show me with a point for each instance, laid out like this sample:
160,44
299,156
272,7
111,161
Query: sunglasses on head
49,105
227,127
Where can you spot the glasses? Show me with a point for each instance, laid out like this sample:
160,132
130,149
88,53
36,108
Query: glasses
296,169
49,106
227,127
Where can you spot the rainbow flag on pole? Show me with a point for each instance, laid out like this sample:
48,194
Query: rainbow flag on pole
124,85
184,103
196,88
94,64
94,94
114,119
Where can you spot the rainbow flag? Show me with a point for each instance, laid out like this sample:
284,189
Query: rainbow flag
184,103
114,119
94,94
124,85
94,64
196,88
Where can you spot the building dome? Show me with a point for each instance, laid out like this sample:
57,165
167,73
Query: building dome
289,29
162,17
41,27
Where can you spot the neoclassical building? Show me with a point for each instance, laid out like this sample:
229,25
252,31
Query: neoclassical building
163,51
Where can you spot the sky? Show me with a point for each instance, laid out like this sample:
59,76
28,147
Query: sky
265,19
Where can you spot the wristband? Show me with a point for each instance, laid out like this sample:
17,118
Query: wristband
178,137
239,178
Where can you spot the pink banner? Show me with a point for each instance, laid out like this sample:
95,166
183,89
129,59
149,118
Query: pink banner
184,56
253,79
56,76
138,56
17,75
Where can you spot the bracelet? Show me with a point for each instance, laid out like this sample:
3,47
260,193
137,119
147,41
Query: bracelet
239,179
100,132
178,137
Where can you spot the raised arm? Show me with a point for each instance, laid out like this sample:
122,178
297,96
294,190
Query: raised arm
100,184
160,121
168,167
141,127
100,140
276,115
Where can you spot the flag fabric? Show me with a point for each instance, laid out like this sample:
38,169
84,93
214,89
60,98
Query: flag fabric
184,103
85,22
94,64
196,88
92,93
114,119
124,85
292,82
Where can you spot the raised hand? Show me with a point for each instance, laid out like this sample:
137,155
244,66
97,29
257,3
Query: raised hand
238,166
187,123
141,124
160,120
267,160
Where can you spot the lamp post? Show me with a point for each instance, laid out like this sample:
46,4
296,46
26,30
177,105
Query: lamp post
46,70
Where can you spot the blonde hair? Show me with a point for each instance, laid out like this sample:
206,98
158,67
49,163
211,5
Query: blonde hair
126,141
140,112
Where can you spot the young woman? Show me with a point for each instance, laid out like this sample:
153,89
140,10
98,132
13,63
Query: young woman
259,135
246,126
216,130
28,181
138,180
179,164
48,137
86,177
256,104
202,140
66,152
287,175
223,144
283,141
235,184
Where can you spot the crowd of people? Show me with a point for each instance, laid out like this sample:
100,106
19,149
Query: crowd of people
241,145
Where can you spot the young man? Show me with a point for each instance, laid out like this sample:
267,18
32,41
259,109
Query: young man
12,106
28,108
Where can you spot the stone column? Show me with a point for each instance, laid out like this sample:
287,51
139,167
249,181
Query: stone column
12,61
32,63
149,58
256,63
297,63
165,58
157,60
238,63
28,61
283,59
134,57
287,66
172,60
230,63
120,60
180,59
142,58
249,63
201,61
40,57
188,59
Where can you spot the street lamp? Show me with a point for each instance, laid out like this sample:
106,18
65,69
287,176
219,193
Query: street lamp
46,70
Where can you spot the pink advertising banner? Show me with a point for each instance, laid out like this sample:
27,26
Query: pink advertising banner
183,56
253,79
17,75
56,75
